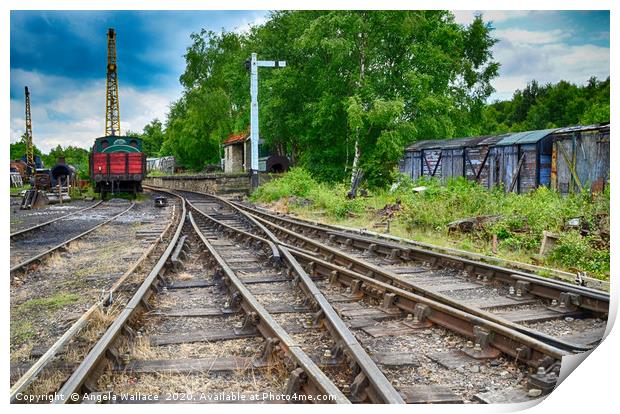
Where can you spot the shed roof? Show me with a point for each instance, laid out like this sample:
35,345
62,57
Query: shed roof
527,137
580,128
454,142
235,139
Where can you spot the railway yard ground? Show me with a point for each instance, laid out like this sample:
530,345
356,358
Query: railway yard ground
208,296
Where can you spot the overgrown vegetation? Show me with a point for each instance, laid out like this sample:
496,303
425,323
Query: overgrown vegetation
519,226
301,190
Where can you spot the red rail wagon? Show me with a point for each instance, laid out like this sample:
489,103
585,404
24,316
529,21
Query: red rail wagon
117,165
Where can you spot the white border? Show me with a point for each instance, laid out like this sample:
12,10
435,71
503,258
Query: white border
592,388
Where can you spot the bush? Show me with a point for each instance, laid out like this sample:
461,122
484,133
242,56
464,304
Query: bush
581,254
297,182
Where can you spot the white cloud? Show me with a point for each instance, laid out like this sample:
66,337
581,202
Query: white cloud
547,63
495,16
55,99
245,26
531,37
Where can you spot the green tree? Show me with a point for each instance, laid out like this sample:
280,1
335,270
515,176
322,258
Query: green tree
152,138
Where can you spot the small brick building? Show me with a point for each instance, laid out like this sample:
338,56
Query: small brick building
237,153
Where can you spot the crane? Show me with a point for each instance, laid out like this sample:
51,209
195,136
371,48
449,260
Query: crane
28,137
112,112
33,198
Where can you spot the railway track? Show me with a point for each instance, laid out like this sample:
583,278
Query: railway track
48,366
533,342
252,307
37,242
574,278
527,303
148,327
286,290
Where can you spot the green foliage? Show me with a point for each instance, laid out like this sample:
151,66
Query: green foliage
549,106
298,183
18,150
76,156
382,78
580,253
522,218
55,302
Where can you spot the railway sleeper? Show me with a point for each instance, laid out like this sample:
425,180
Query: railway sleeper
486,344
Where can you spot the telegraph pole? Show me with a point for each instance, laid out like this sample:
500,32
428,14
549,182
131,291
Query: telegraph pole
254,64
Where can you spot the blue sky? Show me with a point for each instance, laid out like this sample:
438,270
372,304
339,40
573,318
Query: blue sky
61,56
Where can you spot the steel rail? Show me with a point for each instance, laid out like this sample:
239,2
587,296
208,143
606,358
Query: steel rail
97,353
275,253
588,298
518,345
270,328
66,242
502,262
376,272
382,389
37,226
29,376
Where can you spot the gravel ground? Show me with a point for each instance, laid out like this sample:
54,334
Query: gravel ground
22,219
571,326
39,240
47,300
249,380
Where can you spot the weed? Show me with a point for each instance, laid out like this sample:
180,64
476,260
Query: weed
51,303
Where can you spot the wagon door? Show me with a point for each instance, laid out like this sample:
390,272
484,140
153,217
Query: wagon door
544,169
431,162
528,168
451,163
564,163
476,164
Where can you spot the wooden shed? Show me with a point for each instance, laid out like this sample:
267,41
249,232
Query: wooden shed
459,157
521,161
476,159
580,158
434,158
567,159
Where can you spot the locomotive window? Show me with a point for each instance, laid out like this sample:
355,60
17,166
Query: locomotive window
133,143
104,144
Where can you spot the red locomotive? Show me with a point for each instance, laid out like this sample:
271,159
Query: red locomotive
117,165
